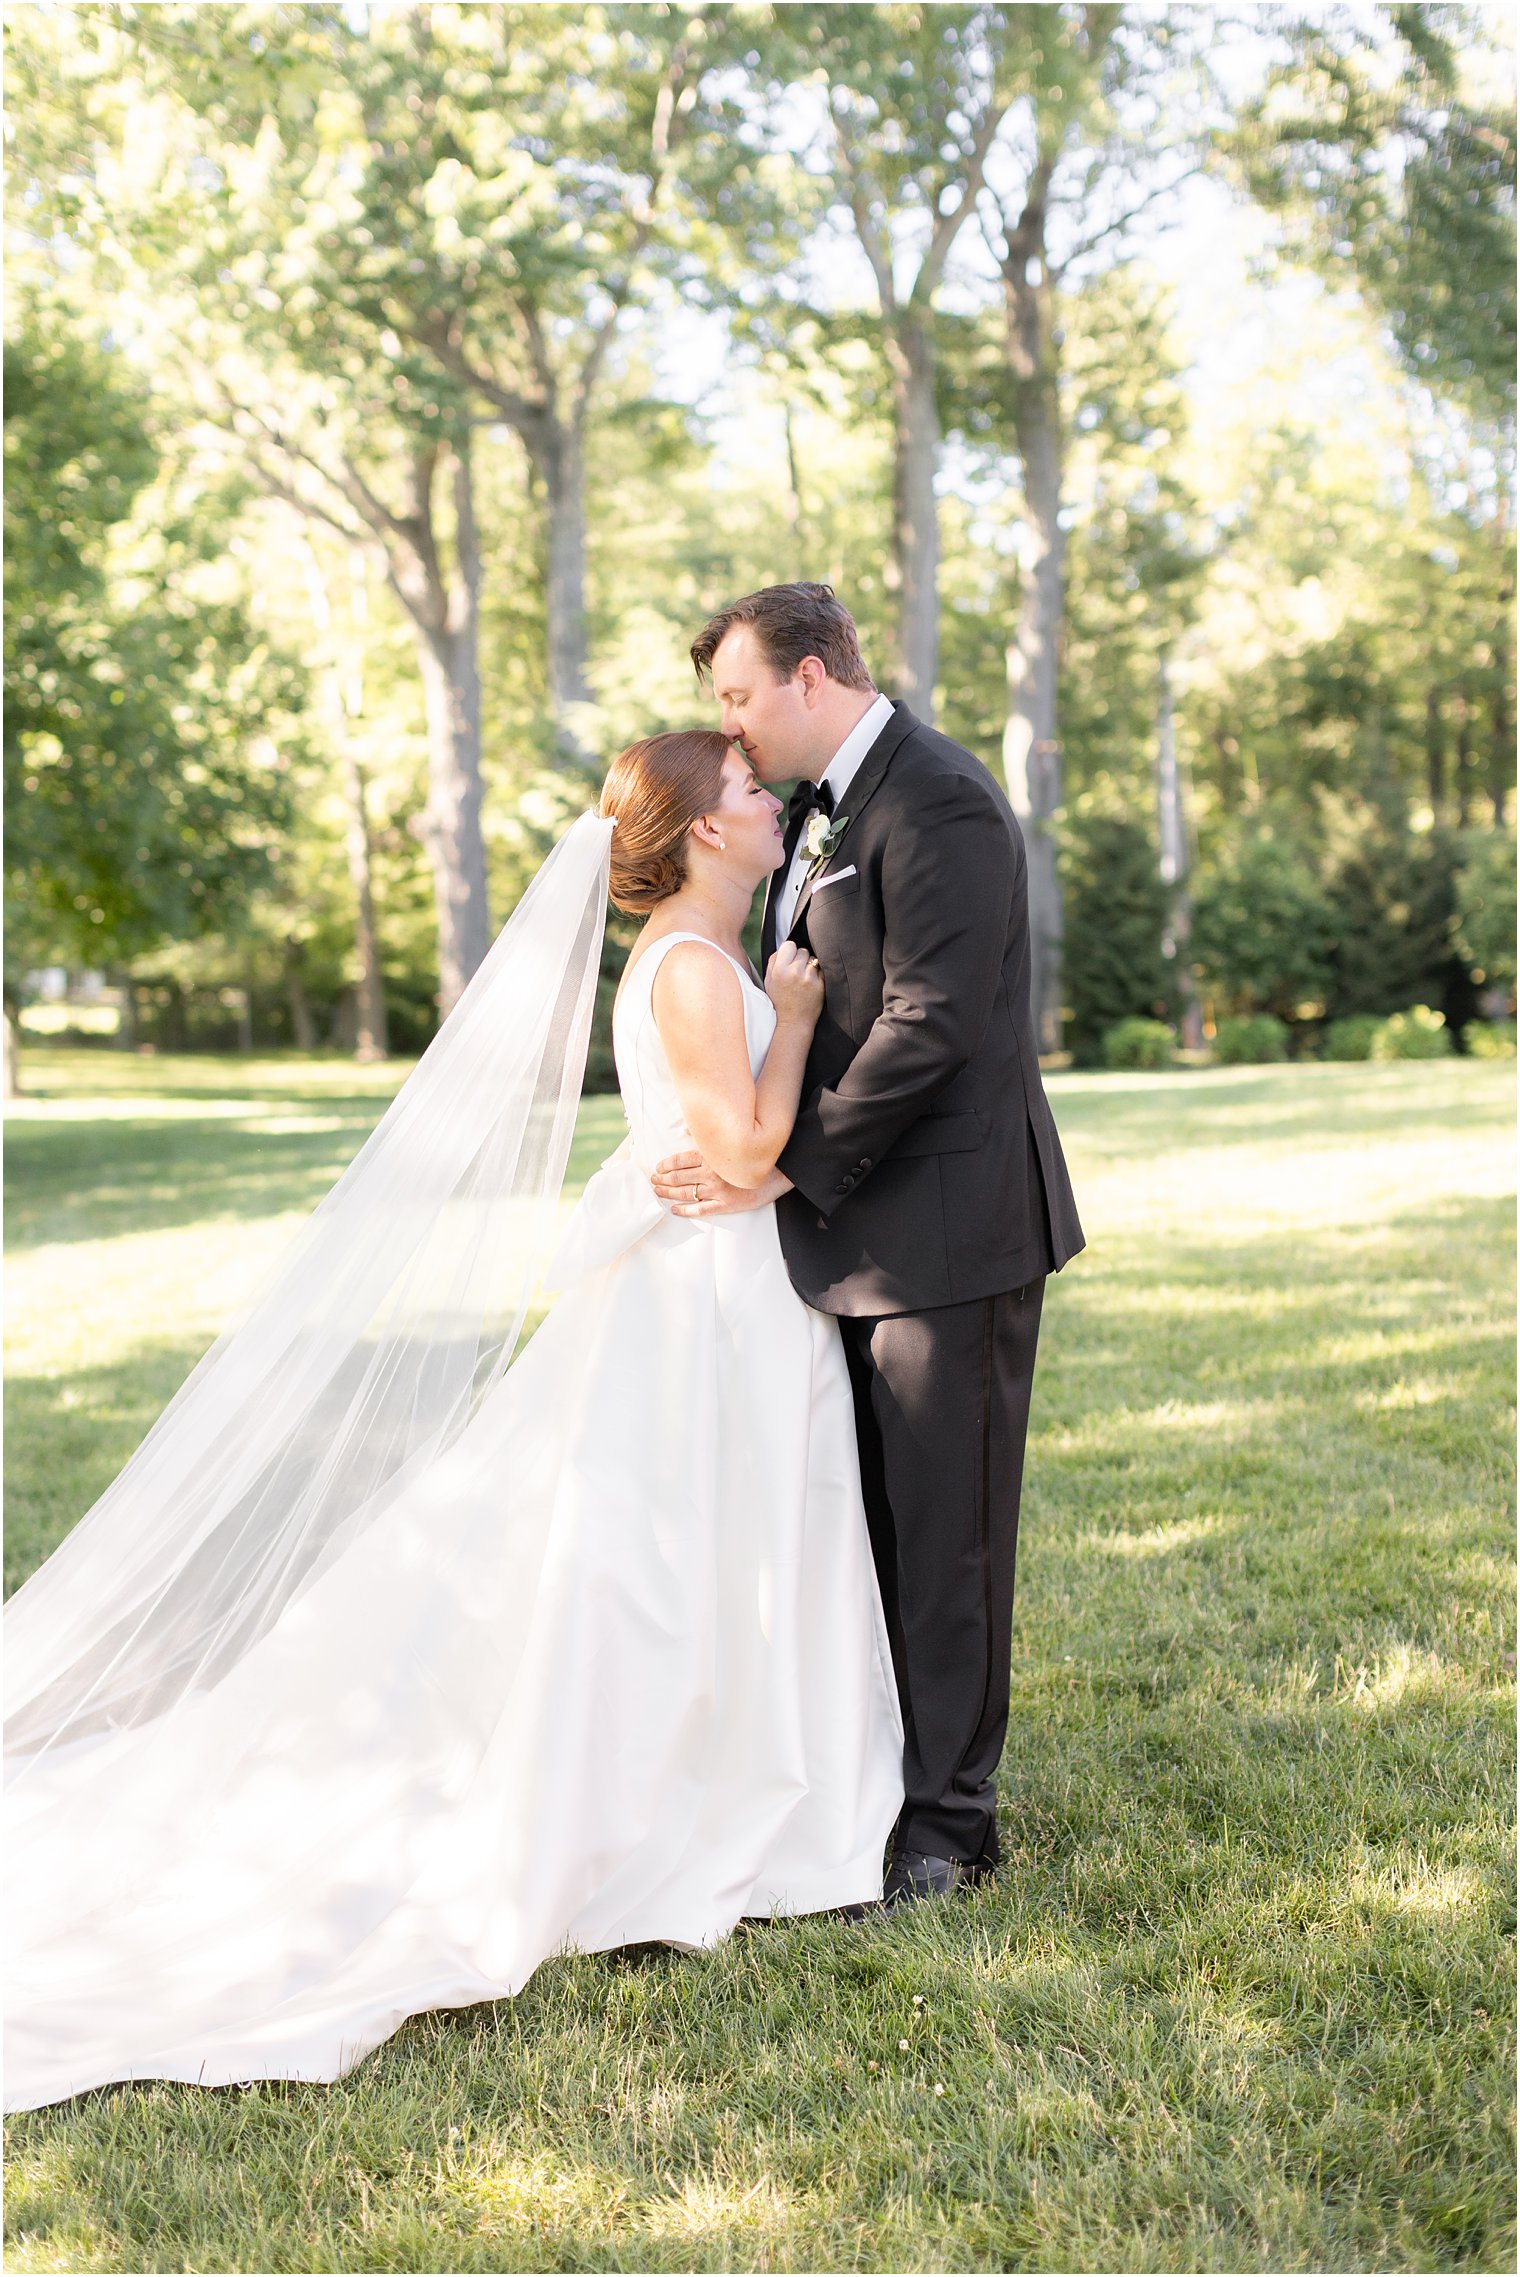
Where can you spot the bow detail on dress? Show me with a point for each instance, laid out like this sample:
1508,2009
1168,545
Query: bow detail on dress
618,1208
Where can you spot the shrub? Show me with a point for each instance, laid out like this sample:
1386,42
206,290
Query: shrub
1250,1040
1351,1038
1393,894
1484,923
1489,1039
1418,1033
1112,965
1263,931
1138,1043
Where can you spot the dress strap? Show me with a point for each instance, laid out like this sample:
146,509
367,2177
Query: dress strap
654,956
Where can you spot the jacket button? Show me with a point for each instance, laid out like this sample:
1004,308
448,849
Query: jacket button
862,1166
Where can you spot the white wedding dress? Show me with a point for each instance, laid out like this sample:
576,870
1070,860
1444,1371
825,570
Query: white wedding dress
637,1693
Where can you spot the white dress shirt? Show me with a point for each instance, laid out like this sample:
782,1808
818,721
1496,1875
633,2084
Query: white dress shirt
839,774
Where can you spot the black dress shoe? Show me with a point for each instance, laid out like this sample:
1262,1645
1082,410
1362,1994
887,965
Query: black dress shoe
914,1874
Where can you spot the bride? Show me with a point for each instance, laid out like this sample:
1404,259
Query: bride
405,1653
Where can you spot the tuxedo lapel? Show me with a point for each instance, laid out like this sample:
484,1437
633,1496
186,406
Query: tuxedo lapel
774,890
768,921
858,797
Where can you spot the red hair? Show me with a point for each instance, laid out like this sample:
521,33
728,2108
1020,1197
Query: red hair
656,789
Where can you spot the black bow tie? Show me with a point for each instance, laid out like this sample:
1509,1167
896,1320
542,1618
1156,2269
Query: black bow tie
810,798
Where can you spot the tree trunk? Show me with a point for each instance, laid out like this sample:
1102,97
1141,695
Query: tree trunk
561,460
1501,765
915,519
245,1017
1031,750
373,1042
125,1039
450,823
1501,760
12,1077
795,512
551,424
1171,817
1435,753
347,710
445,613
1464,757
303,1026
344,1031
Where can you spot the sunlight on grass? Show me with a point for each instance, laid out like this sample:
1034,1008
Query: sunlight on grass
1156,1541
1398,1675
1421,1393
705,2206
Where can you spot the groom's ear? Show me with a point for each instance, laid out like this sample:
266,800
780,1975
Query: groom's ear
812,672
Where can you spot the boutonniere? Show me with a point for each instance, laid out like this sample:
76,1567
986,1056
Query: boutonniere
820,838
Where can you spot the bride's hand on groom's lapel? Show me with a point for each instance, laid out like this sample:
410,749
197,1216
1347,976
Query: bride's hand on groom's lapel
694,1191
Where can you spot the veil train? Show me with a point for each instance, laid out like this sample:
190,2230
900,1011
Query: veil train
396,1305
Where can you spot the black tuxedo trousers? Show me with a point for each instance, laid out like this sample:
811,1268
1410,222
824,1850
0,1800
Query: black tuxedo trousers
930,1203
941,1412
941,1417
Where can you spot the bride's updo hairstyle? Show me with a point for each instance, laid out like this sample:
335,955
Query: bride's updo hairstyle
656,789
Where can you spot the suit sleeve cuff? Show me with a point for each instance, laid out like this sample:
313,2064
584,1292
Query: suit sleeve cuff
825,1185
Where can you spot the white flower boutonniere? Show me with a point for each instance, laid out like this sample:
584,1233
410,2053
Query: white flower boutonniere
820,838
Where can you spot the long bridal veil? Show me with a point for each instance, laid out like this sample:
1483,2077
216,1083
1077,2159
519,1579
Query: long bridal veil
399,1301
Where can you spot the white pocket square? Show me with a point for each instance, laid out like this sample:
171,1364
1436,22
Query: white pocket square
835,877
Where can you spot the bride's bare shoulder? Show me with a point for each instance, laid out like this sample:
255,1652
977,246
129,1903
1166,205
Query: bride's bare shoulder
692,950
696,991
643,943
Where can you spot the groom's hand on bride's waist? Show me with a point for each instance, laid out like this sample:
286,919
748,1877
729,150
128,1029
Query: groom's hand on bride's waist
694,1191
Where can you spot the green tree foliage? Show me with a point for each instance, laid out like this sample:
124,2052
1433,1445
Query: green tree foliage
1484,924
1405,183
1264,931
1387,148
431,272
1393,894
1136,556
1116,910
1348,612
147,725
1357,922
456,211
910,102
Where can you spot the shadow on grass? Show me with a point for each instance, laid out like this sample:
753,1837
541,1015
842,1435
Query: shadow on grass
1259,1106
56,1075
69,1180
68,1436
79,1181
1139,1405
1134,1301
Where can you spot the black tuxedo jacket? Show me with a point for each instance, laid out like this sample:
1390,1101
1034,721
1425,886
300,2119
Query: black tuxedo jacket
925,1161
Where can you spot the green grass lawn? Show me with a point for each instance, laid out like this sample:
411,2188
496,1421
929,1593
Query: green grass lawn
1241,1997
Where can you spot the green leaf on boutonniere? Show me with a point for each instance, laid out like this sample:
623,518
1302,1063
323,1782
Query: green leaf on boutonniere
820,839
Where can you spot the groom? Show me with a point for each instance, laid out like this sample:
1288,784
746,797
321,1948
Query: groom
922,1197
